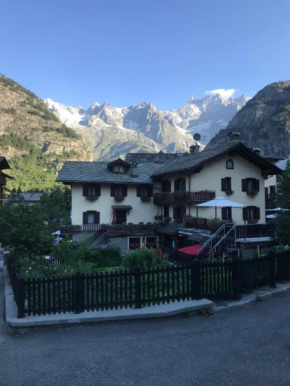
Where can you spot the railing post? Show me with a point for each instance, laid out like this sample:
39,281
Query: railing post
237,277
138,293
20,297
272,270
195,280
79,293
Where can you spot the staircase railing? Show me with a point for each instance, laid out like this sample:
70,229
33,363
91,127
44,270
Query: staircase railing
216,238
226,240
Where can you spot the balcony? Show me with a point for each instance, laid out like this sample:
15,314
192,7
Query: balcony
183,197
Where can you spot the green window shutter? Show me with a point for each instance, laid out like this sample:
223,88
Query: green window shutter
244,185
85,190
245,213
257,185
113,190
150,191
223,183
138,191
124,190
85,217
257,213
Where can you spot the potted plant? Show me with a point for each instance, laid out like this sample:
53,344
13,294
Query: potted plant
92,198
145,199
229,192
119,198
252,221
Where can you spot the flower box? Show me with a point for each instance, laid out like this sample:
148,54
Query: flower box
145,199
252,193
92,198
119,198
229,192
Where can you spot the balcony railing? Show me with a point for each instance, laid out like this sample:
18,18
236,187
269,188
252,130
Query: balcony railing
183,197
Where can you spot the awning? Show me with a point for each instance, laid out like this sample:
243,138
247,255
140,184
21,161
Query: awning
191,250
121,207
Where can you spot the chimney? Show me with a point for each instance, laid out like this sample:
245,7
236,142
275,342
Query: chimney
194,149
257,150
234,136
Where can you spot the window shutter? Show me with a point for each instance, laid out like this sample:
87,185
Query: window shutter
85,190
224,213
257,213
245,213
98,190
138,191
266,193
150,191
85,217
183,211
175,213
183,184
257,185
124,189
113,190
176,185
244,185
223,184
96,217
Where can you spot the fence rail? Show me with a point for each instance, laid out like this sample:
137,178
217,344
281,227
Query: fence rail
145,287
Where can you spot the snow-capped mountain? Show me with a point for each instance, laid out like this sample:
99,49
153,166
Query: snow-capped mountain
112,131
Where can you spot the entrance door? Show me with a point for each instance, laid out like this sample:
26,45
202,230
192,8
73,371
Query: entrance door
121,216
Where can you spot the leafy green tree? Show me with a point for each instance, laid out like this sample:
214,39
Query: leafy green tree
26,230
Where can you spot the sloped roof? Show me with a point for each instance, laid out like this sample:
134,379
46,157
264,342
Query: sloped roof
97,172
3,163
160,158
194,161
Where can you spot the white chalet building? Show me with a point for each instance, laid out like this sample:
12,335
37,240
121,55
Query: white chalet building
147,187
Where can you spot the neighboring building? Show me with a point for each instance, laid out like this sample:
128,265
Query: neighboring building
30,198
147,187
3,177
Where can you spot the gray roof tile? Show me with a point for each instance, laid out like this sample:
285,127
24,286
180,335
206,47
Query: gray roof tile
80,172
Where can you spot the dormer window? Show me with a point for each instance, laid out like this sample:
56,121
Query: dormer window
230,164
119,166
118,169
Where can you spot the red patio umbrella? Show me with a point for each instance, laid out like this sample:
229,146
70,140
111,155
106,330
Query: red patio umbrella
191,250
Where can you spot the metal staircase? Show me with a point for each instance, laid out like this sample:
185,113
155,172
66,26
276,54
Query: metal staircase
221,241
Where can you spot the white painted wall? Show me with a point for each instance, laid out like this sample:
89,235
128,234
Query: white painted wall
210,179
141,212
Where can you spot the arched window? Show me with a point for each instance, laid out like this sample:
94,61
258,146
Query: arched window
166,186
180,184
230,164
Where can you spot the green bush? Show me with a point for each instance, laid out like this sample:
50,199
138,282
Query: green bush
143,258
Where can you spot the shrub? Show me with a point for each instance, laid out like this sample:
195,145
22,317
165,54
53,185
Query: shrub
142,258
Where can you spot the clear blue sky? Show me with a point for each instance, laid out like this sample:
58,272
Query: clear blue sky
125,52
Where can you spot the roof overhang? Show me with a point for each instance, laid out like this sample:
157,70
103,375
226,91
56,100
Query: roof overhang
3,163
122,207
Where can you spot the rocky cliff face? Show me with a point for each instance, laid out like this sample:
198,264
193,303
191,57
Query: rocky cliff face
264,121
28,129
143,128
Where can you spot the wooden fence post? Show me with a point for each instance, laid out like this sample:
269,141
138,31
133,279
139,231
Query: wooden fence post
237,277
138,292
195,280
20,300
79,293
272,270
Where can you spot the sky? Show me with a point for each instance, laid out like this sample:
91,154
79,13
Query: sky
126,52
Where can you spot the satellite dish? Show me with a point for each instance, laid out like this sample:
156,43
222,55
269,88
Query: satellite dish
196,136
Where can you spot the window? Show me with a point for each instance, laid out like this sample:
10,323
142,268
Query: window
91,217
118,191
152,242
180,184
166,186
144,191
118,169
226,184
251,213
227,213
134,242
178,213
230,164
91,190
166,211
251,186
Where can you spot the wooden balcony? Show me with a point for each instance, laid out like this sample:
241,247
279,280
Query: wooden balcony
196,197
